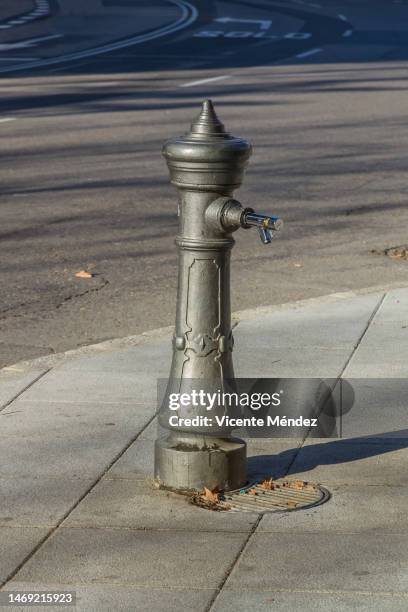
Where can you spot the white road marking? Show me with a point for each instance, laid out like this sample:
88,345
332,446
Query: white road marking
342,17
250,34
29,42
310,52
41,10
264,24
347,33
189,14
5,119
209,80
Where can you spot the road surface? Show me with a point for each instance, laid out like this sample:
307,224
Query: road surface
319,88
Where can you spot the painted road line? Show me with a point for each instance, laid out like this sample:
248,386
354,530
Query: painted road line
29,42
41,10
310,52
347,33
6,119
189,14
203,81
264,24
342,17
18,59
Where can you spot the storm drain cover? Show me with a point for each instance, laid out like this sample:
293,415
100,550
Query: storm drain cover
267,496
275,496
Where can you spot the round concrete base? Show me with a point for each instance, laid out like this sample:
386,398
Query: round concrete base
196,462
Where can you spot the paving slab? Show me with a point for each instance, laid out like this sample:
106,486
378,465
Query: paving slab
351,509
38,502
144,559
152,357
139,505
270,458
83,453
231,600
60,385
314,326
379,409
45,440
394,307
12,383
356,462
42,418
106,597
315,341
16,543
383,350
378,361
136,463
250,361
151,431
368,561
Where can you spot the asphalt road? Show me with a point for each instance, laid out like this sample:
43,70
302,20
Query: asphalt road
319,88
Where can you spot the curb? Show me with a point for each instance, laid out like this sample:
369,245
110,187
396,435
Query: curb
53,360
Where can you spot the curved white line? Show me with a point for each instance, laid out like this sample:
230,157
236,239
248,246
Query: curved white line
31,16
189,14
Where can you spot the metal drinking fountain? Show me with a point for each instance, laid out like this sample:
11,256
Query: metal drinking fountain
206,166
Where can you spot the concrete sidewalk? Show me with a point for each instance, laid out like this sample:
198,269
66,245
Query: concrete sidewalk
78,510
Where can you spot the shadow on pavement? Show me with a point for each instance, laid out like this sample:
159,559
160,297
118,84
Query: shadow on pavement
307,458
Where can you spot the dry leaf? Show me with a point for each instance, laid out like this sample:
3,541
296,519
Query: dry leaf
253,492
291,504
268,485
299,484
211,496
203,502
309,487
83,274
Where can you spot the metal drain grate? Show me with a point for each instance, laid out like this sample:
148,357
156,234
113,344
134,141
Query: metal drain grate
283,496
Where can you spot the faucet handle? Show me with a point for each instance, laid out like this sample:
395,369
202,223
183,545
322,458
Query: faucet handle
265,234
265,224
229,215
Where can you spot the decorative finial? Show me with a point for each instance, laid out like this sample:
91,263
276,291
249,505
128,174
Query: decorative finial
207,122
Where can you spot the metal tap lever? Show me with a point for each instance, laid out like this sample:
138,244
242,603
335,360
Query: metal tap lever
266,235
229,215
265,224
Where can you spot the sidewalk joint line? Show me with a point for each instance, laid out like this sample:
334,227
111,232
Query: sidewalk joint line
233,564
45,539
10,401
339,377
363,333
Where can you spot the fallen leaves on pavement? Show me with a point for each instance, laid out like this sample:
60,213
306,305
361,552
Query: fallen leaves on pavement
211,496
268,485
83,274
209,500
